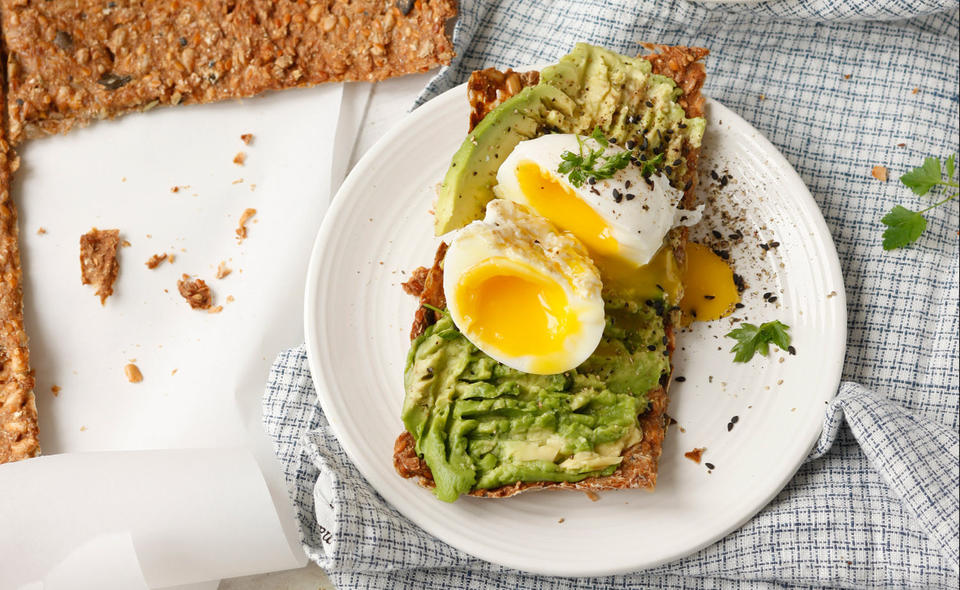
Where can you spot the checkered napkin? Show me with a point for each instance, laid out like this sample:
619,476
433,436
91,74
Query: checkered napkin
839,86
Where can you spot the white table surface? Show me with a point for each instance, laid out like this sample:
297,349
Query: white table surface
388,102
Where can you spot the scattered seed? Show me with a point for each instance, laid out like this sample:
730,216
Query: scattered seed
792,350
680,379
709,465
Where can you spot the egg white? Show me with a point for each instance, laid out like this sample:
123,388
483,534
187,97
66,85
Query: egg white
637,221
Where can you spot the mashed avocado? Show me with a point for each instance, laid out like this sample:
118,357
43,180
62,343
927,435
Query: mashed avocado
481,424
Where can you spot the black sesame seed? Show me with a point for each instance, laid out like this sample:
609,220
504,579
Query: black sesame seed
772,299
722,254
617,196
644,144
792,350
630,144
774,244
738,305
710,466
613,140
666,352
735,419
183,41
682,125
729,426
687,186
664,340
650,104
677,162
709,297
764,246
627,184
723,181
591,180
680,379
734,236
717,234
713,175
630,196
667,170
651,347
767,295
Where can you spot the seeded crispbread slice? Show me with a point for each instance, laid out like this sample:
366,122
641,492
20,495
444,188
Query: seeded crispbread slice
638,469
70,63
18,408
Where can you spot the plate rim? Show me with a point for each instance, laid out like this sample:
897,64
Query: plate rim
312,303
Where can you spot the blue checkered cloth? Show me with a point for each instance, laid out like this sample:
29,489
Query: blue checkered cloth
839,86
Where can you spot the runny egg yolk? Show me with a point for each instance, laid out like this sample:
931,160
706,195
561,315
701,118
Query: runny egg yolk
658,278
709,291
514,309
558,203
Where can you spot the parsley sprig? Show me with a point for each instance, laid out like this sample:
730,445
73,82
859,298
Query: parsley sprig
904,226
752,339
594,164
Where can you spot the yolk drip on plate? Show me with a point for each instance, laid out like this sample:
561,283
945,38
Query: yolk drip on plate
709,291
514,309
559,204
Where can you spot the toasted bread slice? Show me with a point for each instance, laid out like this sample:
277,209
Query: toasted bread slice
638,470
18,408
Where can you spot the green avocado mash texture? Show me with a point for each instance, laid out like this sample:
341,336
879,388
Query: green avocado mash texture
480,424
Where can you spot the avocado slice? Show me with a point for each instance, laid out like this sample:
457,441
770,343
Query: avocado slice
590,87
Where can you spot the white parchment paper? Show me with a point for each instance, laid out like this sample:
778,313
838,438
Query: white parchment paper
203,373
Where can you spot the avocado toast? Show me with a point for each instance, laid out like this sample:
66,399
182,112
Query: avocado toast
614,403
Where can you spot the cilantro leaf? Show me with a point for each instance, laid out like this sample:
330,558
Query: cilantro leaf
599,137
903,227
581,166
650,166
923,178
752,339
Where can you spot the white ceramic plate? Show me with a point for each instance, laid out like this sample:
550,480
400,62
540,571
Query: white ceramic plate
358,319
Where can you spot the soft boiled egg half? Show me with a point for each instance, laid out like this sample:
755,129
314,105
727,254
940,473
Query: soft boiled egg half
621,220
523,292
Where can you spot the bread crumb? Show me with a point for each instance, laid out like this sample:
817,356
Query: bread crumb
222,271
55,390
695,455
83,428
880,173
98,260
246,138
196,292
230,299
592,495
175,189
170,257
133,373
173,372
763,97
237,181
831,294
914,91
156,260
240,158
846,76
125,244
561,520
41,231
242,225
216,309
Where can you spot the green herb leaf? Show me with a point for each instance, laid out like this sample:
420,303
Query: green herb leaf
752,339
923,178
650,166
600,137
903,227
951,162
